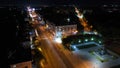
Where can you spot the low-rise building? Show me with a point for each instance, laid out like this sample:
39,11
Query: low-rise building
62,30
27,64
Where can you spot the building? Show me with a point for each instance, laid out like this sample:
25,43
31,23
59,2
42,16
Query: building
26,64
66,30
61,31
82,41
17,52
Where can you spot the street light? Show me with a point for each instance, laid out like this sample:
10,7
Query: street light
100,42
79,41
86,40
92,39
68,19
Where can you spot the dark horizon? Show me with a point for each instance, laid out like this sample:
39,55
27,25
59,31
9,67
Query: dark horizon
84,3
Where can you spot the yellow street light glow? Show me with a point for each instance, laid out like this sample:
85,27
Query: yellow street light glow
46,25
39,49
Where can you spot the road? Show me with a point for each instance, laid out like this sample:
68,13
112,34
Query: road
55,54
52,58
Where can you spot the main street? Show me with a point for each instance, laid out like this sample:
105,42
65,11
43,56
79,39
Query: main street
58,57
55,54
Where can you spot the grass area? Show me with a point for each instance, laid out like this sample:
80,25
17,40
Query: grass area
102,60
85,46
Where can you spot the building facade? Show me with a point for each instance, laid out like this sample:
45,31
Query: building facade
27,64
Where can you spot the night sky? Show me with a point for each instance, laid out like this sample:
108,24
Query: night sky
58,2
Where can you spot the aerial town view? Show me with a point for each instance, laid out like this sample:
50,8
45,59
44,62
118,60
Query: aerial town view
60,33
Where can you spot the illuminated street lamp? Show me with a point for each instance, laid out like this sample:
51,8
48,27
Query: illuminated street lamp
79,41
47,26
92,39
99,41
68,19
86,40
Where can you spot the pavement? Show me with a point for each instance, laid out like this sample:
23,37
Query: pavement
83,53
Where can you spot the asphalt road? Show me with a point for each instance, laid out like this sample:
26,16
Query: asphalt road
57,56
